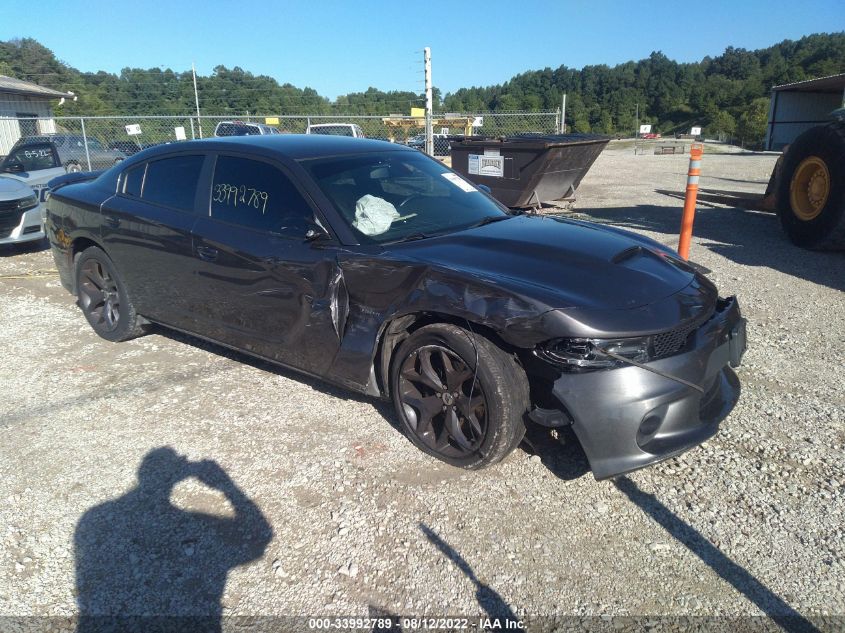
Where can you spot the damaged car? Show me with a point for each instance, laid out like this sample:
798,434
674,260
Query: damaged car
375,267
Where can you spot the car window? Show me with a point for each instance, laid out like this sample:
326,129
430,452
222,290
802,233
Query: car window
259,196
390,196
132,181
33,157
94,144
173,181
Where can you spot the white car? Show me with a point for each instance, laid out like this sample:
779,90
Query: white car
336,129
21,213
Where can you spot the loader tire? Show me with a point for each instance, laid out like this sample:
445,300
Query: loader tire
811,189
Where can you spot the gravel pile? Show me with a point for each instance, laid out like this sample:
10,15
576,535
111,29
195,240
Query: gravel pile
315,504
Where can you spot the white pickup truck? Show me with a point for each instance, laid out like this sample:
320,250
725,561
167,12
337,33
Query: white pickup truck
336,129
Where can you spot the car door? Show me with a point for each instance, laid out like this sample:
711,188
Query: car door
146,231
269,289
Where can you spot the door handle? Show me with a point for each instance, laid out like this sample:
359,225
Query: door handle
207,253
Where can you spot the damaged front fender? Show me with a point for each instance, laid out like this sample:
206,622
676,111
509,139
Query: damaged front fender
380,292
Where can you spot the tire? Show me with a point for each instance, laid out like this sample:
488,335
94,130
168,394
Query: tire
102,297
478,419
73,167
811,189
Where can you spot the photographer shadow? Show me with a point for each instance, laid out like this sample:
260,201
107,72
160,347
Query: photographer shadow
143,564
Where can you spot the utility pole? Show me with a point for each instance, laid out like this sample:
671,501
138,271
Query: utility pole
563,116
637,122
196,97
429,123
636,128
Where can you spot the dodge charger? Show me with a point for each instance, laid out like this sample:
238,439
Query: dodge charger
374,267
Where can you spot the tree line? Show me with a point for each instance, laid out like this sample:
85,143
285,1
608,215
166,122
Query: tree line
727,95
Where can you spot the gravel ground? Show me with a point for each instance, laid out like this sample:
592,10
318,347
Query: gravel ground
295,497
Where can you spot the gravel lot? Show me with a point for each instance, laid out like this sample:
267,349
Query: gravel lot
325,509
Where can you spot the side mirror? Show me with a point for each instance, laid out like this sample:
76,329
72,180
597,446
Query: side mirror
14,168
485,189
316,233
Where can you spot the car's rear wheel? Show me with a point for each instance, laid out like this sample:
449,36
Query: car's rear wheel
102,297
460,397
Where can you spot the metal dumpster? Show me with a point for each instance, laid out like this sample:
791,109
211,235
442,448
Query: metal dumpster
523,171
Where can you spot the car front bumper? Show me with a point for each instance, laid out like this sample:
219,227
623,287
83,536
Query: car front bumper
26,228
630,417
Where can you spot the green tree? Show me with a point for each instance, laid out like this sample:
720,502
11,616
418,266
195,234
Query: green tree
722,125
751,127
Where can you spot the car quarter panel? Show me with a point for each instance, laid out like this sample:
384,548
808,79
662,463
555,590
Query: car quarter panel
73,214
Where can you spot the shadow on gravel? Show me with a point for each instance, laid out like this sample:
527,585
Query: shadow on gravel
742,580
488,599
143,564
11,250
562,455
750,238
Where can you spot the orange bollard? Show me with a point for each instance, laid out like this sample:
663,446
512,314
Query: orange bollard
696,151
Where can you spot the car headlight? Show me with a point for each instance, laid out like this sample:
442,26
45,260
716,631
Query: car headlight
582,354
30,202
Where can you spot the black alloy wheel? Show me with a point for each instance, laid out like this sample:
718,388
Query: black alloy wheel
98,295
102,297
443,401
460,397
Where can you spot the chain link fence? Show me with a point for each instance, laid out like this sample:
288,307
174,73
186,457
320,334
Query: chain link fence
96,142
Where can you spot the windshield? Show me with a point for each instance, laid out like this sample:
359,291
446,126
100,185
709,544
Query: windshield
393,196
31,157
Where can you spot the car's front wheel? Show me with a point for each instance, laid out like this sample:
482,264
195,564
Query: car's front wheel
460,397
102,296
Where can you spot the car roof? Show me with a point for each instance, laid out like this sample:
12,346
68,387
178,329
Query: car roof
293,146
26,140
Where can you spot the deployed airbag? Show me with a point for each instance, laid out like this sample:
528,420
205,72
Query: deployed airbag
374,215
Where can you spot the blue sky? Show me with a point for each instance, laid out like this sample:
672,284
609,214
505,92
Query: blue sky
339,47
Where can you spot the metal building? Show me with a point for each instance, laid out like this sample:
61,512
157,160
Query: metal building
799,106
22,100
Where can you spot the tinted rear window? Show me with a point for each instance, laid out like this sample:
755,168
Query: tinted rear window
173,181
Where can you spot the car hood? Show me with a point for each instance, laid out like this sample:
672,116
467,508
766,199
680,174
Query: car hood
13,189
563,263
